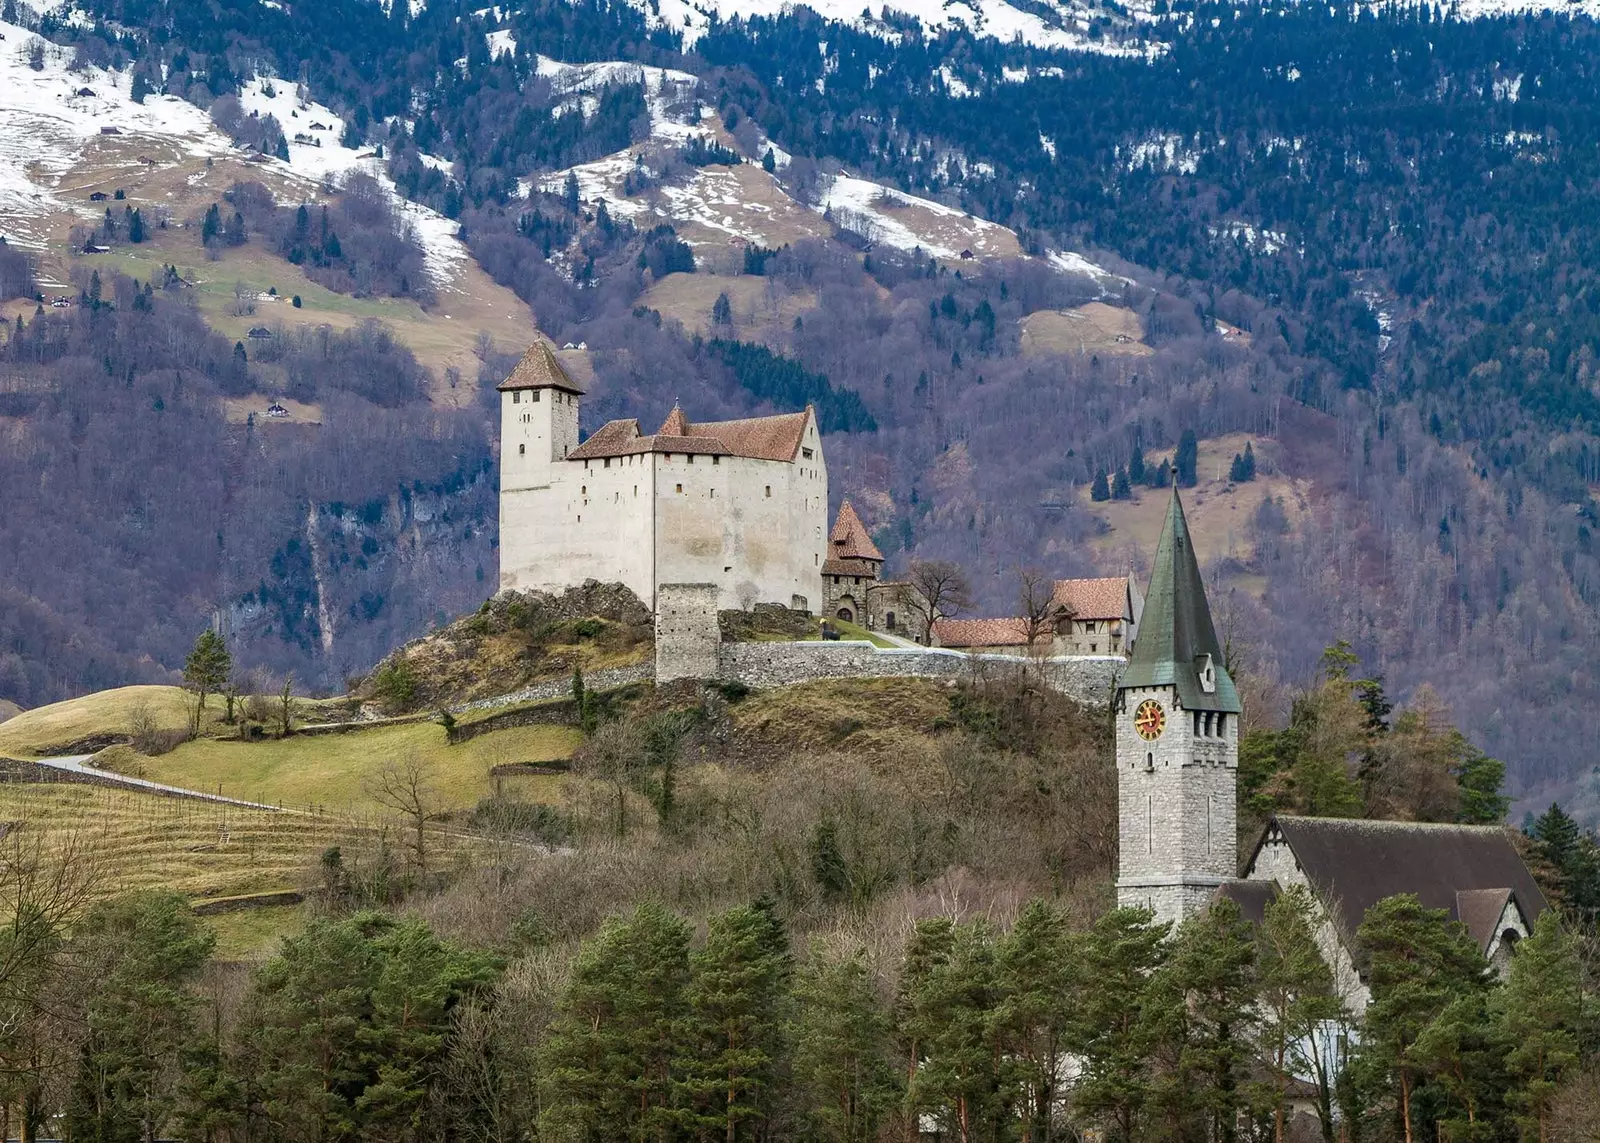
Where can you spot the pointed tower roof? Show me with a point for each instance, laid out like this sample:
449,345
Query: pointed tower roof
849,539
539,369
676,424
1177,642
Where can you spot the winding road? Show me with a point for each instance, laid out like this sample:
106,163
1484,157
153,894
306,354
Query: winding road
80,764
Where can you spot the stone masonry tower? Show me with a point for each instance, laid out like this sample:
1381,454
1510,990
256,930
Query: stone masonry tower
1177,716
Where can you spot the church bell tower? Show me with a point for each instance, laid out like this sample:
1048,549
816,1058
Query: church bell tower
1177,716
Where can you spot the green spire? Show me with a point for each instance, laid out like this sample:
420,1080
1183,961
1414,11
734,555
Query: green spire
1176,637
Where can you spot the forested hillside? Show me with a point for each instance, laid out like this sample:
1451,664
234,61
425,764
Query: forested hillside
1365,234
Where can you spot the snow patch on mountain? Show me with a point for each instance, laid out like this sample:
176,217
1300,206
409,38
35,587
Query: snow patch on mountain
317,155
49,117
1067,28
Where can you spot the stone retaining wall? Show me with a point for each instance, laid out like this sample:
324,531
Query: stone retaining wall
548,712
605,680
1090,680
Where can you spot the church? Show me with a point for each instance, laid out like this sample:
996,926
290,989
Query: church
737,504
1177,754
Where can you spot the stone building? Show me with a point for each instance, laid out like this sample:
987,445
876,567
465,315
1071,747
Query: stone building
1177,751
1095,616
738,504
851,569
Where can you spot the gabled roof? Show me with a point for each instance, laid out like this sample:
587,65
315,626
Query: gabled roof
980,632
1093,598
1468,871
760,438
1175,632
849,539
539,369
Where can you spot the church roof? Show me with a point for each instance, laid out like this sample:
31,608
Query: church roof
1093,598
849,539
1175,632
539,369
1471,872
760,438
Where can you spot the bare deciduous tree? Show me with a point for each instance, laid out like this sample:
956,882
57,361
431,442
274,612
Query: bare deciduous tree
939,590
1036,609
405,785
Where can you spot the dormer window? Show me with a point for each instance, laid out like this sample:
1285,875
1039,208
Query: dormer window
1208,675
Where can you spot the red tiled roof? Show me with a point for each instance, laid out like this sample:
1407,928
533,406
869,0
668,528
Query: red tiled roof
760,438
849,539
1093,598
980,632
539,369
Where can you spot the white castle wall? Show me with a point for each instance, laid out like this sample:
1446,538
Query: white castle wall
754,528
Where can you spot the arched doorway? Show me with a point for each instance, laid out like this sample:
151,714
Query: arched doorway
845,615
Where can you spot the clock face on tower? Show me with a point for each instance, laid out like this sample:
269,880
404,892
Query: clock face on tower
1149,720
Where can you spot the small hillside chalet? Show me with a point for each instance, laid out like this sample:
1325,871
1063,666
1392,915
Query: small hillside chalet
1473,873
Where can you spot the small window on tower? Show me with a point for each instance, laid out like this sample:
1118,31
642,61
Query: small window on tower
680,488
769,492
522,450
534,396
805,452
716,459
516,396
691,458
608,462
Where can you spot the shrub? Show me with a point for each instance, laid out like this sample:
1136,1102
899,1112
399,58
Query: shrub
395,685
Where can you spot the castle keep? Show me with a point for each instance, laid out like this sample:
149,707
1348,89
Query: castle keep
741,505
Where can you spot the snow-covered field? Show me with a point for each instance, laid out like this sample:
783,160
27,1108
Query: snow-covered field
996,19
49,117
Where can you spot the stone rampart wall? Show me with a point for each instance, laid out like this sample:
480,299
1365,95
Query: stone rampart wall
1089,680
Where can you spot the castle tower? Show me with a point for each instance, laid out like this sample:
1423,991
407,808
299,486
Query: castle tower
538,419
1177,718
538,427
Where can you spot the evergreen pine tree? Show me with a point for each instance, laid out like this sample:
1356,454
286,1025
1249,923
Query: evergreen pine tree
738,999
1296,996
609,1062
769,162
1136,468
1099,490
1187,459
136,227
1121,489
1197,1021
1418,962
1540,1015
141,87
211,227
928,947
139,955
1236,470
1108,1033
1249,461
957,1082
841,1039
1036,979
722,310
206,669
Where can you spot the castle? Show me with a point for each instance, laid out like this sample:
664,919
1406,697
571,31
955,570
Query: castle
1177,754
738,504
